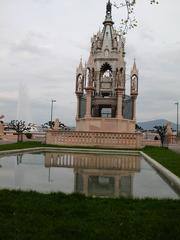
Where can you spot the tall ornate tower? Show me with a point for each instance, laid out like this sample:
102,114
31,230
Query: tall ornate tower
102,104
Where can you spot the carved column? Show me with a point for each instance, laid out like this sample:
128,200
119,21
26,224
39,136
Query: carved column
117,187
85,184
78,104
134,97
98,82
119,93
89,91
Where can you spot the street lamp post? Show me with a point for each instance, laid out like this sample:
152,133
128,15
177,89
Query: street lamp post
177,103
52,101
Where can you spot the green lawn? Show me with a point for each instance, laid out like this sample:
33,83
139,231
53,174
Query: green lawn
20,145
23,145
30,215
32,144
166,157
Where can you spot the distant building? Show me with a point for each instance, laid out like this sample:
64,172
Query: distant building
100,84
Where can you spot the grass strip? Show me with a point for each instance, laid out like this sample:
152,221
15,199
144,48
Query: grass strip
168,158
31,215
20,145
33,144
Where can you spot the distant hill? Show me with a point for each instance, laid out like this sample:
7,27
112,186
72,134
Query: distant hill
150,124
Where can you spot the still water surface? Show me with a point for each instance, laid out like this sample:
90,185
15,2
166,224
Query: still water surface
90,174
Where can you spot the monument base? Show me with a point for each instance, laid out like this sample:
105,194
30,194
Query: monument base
95,139
105,125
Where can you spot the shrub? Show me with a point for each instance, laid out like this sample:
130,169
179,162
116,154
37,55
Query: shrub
28,135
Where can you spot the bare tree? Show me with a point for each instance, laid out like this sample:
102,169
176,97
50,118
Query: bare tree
129,22
139,128
161,130
19,127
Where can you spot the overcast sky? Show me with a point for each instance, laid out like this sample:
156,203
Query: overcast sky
41,42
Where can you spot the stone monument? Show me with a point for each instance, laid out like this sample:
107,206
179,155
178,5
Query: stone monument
106,115
102,102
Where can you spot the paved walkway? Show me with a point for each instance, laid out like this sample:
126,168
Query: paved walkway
7,141
175,148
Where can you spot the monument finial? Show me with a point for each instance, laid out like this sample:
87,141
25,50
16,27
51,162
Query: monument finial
108,7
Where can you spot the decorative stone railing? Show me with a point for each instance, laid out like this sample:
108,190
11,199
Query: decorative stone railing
95,139
93,161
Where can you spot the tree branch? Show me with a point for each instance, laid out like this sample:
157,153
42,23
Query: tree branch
129,22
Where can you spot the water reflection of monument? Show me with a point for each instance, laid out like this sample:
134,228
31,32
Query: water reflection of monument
99,175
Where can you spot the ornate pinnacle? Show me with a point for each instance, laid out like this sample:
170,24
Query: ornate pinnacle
108,8
134,69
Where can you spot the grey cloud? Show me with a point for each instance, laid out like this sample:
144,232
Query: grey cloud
64,111
80,46
147,34
32,44
29,48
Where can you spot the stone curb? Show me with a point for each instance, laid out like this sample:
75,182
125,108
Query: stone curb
71,150
170,177
19,150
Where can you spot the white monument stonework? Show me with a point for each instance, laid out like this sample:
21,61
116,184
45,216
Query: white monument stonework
106,115
102,103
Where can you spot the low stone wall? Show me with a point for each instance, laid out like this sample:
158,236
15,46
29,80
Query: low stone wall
1,130
95,139
171,139
39,136
157,143
149,142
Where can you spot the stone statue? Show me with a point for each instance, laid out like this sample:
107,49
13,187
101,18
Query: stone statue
56,124
108,7
80,83
134,84
90,80
115,43
1,129
93,45
169,130
119,79
98,43
1,126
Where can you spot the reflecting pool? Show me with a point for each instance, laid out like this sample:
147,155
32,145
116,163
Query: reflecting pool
90,174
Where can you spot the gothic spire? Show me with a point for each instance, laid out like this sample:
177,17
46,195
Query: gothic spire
134,70
81,64
80,68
